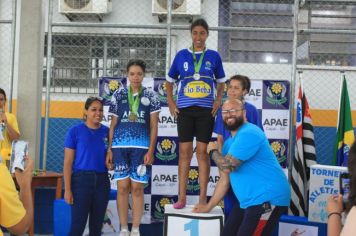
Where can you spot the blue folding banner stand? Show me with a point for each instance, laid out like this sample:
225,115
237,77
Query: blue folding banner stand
302,221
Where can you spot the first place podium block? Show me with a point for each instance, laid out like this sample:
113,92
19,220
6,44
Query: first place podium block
184,222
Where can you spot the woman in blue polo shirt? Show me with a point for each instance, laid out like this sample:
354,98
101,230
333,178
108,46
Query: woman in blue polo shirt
86,181
197,70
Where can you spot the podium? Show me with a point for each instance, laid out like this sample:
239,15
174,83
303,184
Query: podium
184,222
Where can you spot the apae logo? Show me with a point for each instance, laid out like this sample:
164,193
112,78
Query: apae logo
167,119
193,184
276,94
276,122
279,150
109,88
159,207
162,91
166,150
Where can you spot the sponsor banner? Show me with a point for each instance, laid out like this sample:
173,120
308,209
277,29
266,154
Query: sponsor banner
280,149
146,216
164,180
255,95
147,83
167,124
166,152
271,98
113,183
106,118
213,179
276,124
192,199
193,187
157,206
324,182
160,88
108,85
275,94
147,186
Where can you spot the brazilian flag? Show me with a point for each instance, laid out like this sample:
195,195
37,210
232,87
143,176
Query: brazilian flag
345,133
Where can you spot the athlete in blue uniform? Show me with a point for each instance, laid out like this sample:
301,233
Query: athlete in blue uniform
132,139
238,87
257,179
196,70
86,181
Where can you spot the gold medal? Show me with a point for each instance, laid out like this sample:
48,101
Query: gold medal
132,117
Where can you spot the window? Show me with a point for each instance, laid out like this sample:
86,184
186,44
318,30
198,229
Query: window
79,60
257,46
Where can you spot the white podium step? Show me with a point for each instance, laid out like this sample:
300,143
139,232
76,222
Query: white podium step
184,222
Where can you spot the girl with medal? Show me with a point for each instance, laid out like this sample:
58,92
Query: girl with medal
200,77
132,140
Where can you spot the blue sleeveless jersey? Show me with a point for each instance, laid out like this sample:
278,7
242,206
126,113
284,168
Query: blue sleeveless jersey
193,92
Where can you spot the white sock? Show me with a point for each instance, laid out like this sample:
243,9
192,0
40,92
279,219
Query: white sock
124,228
135,229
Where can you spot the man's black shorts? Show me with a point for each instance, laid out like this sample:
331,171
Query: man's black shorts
196,122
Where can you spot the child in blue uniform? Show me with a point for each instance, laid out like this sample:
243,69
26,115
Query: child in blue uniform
86,181
132,139
196,70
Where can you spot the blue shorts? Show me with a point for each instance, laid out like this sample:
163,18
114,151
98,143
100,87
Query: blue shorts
126,161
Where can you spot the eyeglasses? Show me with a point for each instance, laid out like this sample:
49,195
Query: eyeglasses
231,111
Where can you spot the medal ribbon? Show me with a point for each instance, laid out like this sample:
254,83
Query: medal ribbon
134,102
197,66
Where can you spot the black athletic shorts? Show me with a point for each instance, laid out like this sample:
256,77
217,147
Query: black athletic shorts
196,122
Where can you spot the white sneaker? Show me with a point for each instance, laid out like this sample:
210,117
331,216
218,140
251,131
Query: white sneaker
124,232
135,233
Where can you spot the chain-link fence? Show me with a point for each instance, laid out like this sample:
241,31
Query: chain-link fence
96,38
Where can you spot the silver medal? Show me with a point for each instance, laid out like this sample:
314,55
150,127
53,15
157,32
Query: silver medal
196,76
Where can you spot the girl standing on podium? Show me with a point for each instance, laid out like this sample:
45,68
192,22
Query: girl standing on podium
196,69
86,181
132,140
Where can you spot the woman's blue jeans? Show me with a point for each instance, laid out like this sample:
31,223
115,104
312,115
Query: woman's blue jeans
90,197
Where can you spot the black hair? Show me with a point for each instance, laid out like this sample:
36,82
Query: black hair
200,22
3,93
136,62
245,83
351,166
90,101
248,84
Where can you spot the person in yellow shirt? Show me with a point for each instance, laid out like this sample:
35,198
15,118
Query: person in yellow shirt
9,128
16,210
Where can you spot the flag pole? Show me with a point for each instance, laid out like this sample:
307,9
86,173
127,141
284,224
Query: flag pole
342,73
301,82
302,121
